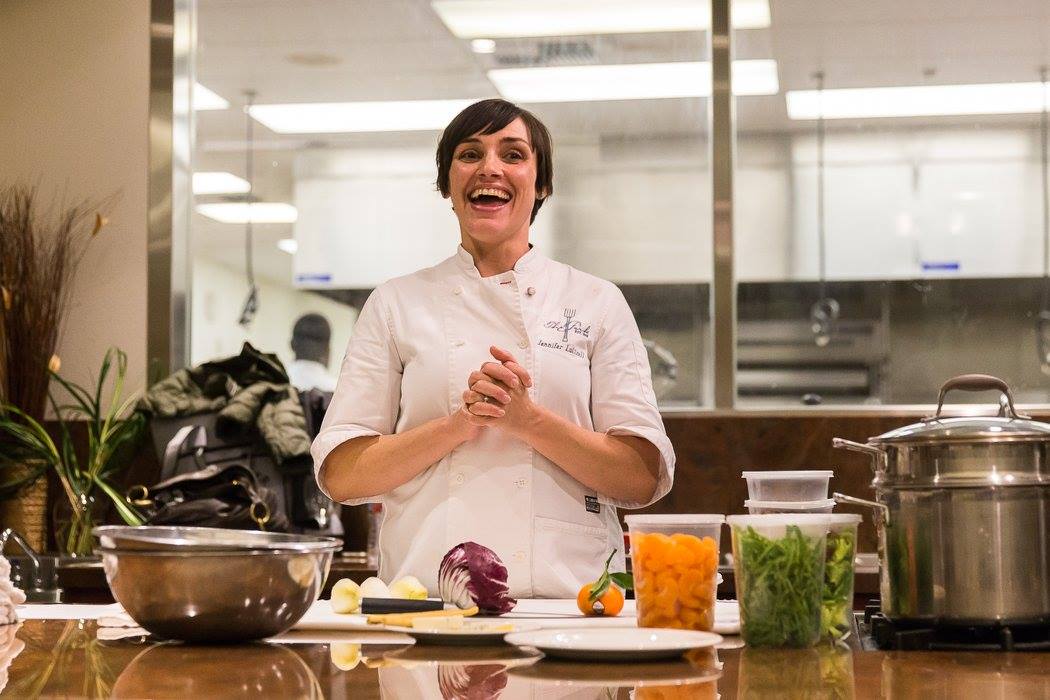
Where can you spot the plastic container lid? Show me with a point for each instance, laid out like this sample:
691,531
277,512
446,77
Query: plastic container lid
791,505
800,474
671,519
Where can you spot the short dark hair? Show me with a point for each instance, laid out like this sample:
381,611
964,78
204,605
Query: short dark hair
488,117
311,335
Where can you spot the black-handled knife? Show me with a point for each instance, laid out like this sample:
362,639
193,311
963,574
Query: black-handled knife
380,606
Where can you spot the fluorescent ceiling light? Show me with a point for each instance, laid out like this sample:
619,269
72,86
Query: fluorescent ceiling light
483,46
260,212
638,81
219,183
288,245
205,99
339,117
916,101
497,19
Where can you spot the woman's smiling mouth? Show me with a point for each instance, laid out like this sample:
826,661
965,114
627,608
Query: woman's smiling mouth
489,198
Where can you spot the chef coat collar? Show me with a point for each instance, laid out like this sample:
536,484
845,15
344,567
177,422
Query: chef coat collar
526,263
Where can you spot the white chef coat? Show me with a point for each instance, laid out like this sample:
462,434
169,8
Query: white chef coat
418,338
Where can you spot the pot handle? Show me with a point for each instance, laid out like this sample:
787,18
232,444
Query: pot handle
878,456
977,382
851,500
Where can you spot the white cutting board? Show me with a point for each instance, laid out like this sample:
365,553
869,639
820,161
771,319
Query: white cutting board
529,613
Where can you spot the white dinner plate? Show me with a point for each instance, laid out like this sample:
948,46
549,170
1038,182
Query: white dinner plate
619,644
465,637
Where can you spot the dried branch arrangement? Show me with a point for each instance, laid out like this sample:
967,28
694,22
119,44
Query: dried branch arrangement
39,254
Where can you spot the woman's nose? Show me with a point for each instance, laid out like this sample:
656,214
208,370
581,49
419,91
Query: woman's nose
491,164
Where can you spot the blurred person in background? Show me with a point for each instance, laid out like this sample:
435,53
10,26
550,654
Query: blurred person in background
311,338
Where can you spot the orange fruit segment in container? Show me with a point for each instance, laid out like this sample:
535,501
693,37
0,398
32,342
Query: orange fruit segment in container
675,568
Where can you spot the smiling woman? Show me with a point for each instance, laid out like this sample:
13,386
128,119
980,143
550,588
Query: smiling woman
527,451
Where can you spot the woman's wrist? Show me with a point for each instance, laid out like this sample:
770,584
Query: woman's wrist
460,428
531,423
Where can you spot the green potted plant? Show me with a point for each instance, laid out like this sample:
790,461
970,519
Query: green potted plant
85,474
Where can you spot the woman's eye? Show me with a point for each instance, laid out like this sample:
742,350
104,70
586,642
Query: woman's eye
468,155
514,155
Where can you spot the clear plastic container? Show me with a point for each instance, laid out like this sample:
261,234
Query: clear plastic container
674,560
837,600
811,485
779,560
758,507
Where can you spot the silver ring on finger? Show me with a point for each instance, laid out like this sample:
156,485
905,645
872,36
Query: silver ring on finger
486,399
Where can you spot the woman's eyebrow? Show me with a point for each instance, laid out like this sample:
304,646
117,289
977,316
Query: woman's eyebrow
505,139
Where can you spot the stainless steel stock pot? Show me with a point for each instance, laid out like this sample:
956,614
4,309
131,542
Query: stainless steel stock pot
963,514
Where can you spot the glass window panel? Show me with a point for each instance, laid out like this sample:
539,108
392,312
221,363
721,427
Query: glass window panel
917,213
632,184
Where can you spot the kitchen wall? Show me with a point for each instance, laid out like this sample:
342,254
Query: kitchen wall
637,210
73,121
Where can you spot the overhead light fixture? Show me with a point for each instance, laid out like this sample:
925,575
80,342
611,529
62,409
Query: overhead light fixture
483,46
636,81
219,183
259,212
345,117
288,245
917,101
204,99
498,19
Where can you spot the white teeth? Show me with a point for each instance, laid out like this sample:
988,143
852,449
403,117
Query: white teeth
492,192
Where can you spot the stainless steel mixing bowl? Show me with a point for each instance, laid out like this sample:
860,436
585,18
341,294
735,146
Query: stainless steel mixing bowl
219,595
182,538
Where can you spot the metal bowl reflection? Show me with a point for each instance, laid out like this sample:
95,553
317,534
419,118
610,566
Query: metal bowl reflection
216,596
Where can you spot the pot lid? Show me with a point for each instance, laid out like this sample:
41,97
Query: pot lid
967,429
1007,426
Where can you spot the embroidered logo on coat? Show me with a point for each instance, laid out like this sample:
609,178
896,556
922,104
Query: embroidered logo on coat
591,502
569,325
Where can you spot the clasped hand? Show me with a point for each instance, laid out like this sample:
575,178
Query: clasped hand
497,394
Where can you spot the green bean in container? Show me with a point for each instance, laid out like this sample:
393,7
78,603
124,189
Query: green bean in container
780,585
837,604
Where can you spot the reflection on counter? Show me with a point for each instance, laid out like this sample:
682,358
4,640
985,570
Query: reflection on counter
57,658
912,676
805,674
509,673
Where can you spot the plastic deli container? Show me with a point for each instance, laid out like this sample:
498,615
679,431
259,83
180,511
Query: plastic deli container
778,560
824,506
674,560
788,485
837,601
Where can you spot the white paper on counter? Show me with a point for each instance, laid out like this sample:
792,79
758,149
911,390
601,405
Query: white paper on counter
531,613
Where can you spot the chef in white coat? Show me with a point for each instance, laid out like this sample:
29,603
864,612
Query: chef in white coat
498,397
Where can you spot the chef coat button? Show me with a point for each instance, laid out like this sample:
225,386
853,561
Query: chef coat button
520,555
530,291
457,291
522,483
458,343
523,344
459,478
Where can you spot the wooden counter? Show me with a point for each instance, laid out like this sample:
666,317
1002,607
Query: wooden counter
66,659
